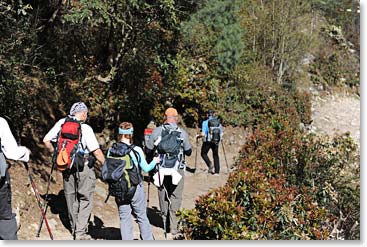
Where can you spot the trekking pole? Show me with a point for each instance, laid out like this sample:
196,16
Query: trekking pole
35,191
225,157
45,202
196,154
160,187
162,213
148,190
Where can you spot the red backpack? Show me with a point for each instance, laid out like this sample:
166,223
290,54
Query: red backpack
67,143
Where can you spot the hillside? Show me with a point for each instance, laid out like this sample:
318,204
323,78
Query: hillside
105,220
269,69
338,113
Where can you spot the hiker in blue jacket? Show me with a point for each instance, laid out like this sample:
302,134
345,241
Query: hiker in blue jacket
211,141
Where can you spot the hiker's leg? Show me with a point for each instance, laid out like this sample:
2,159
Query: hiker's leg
86,188
8,224
71,202
8,229
139,206
163,205
126,227
215,149
204,154
176,200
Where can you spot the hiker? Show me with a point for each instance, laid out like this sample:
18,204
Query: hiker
171,168
79,185
148,132
9,149
131,199
211,132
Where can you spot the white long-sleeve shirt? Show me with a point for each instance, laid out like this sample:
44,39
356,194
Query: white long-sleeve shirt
9,145
89,141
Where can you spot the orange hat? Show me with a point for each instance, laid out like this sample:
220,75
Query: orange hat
171,112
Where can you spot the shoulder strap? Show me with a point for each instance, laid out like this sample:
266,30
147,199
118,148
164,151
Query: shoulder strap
136,154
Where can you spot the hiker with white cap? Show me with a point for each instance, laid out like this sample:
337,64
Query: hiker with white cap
172,144
78,177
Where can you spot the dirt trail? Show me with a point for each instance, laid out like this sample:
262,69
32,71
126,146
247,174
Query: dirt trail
336,114
104,223
331,114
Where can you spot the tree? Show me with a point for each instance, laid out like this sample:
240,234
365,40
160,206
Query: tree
214,33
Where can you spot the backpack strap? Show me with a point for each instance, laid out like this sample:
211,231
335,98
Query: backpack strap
138,159
3,164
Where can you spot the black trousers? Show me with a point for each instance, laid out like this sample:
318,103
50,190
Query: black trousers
8,224
204,154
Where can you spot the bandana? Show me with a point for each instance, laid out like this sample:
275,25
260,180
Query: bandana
78,107
126,132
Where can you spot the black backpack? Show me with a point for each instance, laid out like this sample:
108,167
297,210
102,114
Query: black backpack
214,130
170,147
119,171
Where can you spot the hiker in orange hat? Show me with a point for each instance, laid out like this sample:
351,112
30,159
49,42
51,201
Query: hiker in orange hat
171,142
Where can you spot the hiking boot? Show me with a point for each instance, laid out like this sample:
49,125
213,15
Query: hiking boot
211,168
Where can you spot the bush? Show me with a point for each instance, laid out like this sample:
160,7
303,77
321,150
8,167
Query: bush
286,185
335,64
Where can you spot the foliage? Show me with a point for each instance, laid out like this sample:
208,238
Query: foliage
214,32
344,14
286,185
130,59
279,34
336,65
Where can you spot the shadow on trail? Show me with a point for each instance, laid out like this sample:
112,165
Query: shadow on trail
189,169
154,216
97,230
57,205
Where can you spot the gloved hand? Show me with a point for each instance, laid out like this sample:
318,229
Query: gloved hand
157,159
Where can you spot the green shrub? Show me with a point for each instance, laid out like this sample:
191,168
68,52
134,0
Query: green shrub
335,63
286,185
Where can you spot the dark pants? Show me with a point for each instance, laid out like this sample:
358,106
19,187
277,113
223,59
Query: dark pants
204,154
8,224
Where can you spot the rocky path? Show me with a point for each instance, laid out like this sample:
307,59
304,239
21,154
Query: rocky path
331,114
336,114
104,224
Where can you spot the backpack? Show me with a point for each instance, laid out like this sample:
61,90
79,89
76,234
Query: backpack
119,171
147,134
170,147
67,145
214,130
